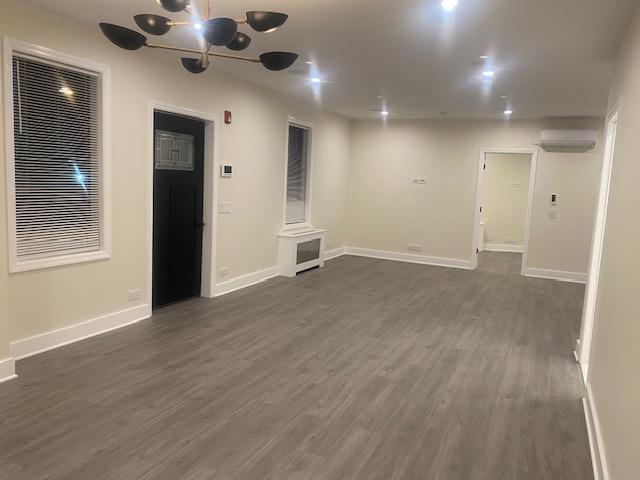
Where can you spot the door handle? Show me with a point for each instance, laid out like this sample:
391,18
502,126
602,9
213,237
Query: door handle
200,224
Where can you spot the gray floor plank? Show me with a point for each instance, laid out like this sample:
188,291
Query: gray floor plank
366,369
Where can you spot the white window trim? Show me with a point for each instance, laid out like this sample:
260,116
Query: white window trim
11,46
307,212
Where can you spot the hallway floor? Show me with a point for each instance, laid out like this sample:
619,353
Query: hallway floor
365,369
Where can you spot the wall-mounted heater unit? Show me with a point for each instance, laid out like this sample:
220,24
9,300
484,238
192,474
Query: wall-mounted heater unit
568,138
301,250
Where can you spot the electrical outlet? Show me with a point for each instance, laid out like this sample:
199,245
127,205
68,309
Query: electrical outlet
224,271
133,295
414,248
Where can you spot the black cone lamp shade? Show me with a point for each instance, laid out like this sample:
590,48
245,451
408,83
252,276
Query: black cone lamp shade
220,31
210,32
153,24
123,37
194,65
239,42
174,5
266,21
278,60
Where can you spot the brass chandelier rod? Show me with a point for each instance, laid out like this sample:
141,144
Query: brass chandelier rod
205,53
200,52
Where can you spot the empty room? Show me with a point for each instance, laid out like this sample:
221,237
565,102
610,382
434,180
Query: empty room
317,240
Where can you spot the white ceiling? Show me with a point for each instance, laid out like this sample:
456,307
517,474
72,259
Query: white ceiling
551,57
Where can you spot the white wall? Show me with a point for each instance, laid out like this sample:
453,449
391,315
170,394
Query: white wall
361,170
44,300
504,205
614,367
388,212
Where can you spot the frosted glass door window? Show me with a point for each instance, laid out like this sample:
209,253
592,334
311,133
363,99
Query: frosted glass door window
174,151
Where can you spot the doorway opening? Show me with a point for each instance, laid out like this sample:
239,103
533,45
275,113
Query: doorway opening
504,202
583,346
181,221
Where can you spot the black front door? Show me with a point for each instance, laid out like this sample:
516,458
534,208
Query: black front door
178,175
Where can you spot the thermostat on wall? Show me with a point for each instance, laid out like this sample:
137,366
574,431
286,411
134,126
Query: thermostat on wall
226,170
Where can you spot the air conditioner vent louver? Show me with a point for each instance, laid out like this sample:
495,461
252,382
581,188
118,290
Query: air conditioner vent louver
568,138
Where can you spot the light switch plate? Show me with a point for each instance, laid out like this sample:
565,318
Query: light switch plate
224,207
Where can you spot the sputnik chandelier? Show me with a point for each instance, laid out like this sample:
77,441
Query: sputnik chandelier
218,32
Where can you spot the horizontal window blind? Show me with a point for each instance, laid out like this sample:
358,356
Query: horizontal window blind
57,159
297,165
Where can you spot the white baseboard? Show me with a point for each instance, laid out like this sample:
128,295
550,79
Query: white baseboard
7,369
409,257
575,277
336,252
27,347
244,281
598,454
503,247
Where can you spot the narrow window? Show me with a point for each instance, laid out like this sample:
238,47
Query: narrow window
297,208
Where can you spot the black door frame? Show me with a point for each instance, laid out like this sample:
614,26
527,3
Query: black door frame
210,197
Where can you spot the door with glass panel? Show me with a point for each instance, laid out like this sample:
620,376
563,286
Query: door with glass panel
178,180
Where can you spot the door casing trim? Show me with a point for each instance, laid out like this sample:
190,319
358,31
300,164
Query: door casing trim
533,152
597,242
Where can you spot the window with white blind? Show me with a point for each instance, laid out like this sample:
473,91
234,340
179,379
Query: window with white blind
297,175
57,167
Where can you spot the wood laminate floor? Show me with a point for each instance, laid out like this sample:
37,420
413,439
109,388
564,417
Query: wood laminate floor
366,369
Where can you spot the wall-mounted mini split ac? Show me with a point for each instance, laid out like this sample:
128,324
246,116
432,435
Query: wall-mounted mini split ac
581,139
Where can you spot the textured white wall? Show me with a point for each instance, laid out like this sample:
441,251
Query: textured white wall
614,367
504,205
388,212
255,143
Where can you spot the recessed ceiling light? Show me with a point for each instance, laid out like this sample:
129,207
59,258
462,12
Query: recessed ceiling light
309,63
484,57
488,74
384,113
315,80
197,26
66,91
503,96
449,5
508,112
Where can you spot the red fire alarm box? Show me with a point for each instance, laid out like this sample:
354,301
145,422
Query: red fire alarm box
227,117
